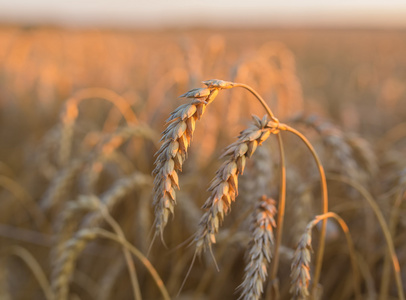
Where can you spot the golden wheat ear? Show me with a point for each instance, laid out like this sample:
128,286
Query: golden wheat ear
224,186
259,250
173,152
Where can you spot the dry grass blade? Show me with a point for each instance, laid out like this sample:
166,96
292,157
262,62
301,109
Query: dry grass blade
259,250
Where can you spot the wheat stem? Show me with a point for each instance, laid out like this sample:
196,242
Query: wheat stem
394,218
128,259
147,264
282,188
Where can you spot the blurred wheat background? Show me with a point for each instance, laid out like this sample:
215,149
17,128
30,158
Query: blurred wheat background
81,116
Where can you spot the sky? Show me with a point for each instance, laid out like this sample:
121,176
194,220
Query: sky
211,13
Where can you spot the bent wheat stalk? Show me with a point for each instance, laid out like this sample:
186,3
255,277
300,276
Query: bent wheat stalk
300,268
282,187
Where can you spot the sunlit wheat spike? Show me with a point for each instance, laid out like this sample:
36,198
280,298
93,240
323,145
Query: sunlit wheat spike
173,152
259,249
300,268
224,186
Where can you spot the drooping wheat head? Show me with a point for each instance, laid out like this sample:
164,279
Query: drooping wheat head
224,186
173,152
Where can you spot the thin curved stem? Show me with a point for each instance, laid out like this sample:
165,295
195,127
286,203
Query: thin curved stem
384,226
260,99
351,248
394,218
109,235
323,182
129,261
282,188
281,211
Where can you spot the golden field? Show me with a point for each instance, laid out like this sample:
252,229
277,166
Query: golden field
81,116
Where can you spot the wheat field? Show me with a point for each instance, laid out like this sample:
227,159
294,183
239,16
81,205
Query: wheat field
202,164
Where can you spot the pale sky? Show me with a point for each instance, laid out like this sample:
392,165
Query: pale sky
160,13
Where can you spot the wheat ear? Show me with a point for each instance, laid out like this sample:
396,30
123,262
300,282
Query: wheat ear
259,251
300,268
61,184
172,154
224,186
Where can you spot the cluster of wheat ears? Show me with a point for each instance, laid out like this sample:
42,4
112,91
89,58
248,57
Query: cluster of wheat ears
80,221
84,217
263,248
